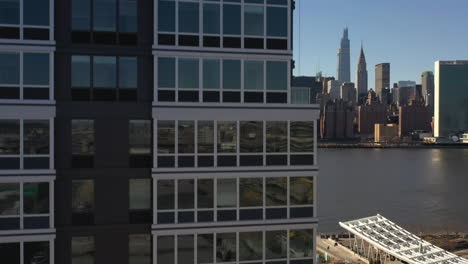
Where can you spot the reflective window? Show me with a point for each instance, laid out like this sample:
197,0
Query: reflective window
253,75
166,136
250,246
186,137
205,136
166,190
205,248
166,249
139,249
10,199
105,71
205,193
37,252
36,68
251,136
166,72
185,249
211,19
276,191
277,22
188,17
227,137
166,16
226,247
275,244
9,137
140,194
36,198
81,71
82,196
253,20
10,253
36,12
301,190
140,137
251,192
211,74
104,15
81,19
128,72
36,137
227,193
82,250
9,12
127,15
276,136
231,74
82,137
302,137
231,19
301,243
188,74
10,67
277,75
186,194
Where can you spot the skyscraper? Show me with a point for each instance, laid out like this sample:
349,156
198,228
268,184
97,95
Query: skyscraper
382,78
451,98
361,75
427,82
344,66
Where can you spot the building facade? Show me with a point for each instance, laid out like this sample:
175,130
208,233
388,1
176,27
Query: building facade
337,120
362,77
371,113
348,93
382,78
414,117
344,61
451,97
427,87
129,129
386,133
334,89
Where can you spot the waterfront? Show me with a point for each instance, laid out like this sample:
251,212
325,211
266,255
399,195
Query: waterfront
423,190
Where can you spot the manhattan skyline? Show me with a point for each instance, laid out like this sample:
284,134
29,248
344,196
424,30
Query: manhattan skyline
411,35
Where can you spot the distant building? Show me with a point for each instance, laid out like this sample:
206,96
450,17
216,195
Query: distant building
362,77
371,113
404,93
386,132
334,89
344,64
348,93
464,138
336,121
427,83
414,117
304,89
451,98
382,78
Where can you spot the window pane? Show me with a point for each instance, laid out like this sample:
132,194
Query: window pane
82,196
302,136
139,249
185,249
166,72
140,194
186,138
9,137
36,198
253,75
36,252
166,16
301,190
36,68
225,247
188,73
277,75
166,136
165,249
166,190
83,137
277,22
105,72
276,191
211,71
205,136
9,198
9,12
81,18
188,17
277,136
231,19
128,16
251,192
104,15
227,193
186,194
9,68
128,72
301,243
251,136
205,193
81,71
140,137
10,252
36,12
83,250
36,137
227,137
211,19
205,248
253,20
275,244
250,246
232,74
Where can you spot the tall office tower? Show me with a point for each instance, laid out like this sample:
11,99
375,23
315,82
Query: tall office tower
451,95
334,89
427,82
382,78
344,66
348,93
361,76
118,149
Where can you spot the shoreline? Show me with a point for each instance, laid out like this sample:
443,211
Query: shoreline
336,145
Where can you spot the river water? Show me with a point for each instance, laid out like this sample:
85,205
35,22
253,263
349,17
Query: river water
424,190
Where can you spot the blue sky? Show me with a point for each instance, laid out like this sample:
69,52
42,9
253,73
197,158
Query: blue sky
410,34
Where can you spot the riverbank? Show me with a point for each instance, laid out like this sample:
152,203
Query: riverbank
372,145
456,243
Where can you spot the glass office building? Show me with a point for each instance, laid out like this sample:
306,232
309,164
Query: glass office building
159,131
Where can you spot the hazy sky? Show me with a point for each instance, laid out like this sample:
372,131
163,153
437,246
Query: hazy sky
410,34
